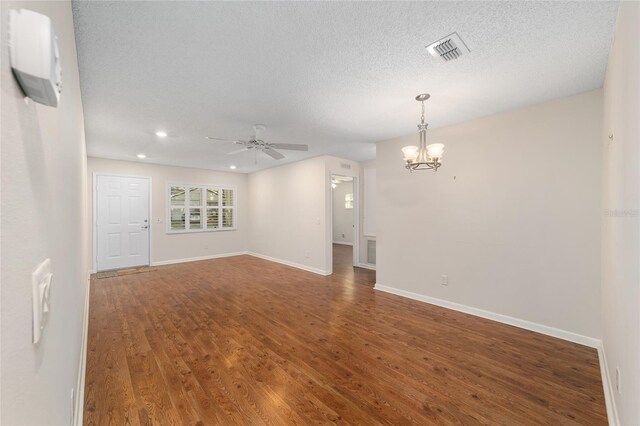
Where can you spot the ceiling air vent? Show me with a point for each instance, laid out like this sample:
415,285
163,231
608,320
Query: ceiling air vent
448,48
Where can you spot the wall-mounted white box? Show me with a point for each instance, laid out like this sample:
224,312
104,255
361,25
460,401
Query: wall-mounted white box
35,58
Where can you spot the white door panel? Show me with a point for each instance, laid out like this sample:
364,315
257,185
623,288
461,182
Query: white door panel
122,222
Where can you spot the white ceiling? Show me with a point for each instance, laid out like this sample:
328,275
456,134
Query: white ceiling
337,76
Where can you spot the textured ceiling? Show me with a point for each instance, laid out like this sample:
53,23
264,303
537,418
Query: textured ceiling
337,76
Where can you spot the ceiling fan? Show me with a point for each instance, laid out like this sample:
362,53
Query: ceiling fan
257,144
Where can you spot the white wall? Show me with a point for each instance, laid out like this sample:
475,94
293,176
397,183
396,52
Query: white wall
290,211
342,222
287,213
512,217
621,219
367,207
168,247
43,216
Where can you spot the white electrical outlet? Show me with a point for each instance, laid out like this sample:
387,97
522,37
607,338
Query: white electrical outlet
618,380
444,280
306,254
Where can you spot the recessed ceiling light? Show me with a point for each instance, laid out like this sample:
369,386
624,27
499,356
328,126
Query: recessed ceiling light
161,134
141,156
232,167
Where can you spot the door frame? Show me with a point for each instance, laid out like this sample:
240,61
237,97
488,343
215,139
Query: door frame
94,225
356,219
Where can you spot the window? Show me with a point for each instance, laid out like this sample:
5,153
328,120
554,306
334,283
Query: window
348,201
200,208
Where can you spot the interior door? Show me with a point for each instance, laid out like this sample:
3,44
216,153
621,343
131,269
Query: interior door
122,222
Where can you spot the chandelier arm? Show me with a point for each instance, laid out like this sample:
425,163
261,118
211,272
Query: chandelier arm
423,165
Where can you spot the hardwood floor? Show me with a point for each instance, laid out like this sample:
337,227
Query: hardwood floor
345,273
242,340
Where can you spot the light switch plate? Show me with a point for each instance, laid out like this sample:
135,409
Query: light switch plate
41,287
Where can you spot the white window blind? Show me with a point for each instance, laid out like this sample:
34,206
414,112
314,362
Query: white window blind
200,208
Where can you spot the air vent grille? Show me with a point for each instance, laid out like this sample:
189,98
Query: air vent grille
449,48
371,252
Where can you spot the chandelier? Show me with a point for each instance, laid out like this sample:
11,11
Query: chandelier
423,157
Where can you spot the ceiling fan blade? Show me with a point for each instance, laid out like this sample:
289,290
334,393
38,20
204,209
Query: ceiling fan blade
273,153
219,139
238,151
291,146
239,141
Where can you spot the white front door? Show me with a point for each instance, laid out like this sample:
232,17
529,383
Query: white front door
122,222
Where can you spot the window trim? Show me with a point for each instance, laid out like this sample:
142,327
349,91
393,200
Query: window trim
201,186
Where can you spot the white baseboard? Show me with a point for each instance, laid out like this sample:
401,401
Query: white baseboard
343,243
607,384
527,325
195,259
288,263
367,266
82,366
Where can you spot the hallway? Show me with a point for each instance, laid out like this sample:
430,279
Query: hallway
343,267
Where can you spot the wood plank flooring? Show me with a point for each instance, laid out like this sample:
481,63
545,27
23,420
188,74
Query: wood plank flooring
242,340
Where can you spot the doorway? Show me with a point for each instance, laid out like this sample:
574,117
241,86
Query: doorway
343,223
121,221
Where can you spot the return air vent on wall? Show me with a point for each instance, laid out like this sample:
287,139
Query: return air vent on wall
449,48
371,252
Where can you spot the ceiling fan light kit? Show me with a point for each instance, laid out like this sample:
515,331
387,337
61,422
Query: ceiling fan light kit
423,157
258,144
